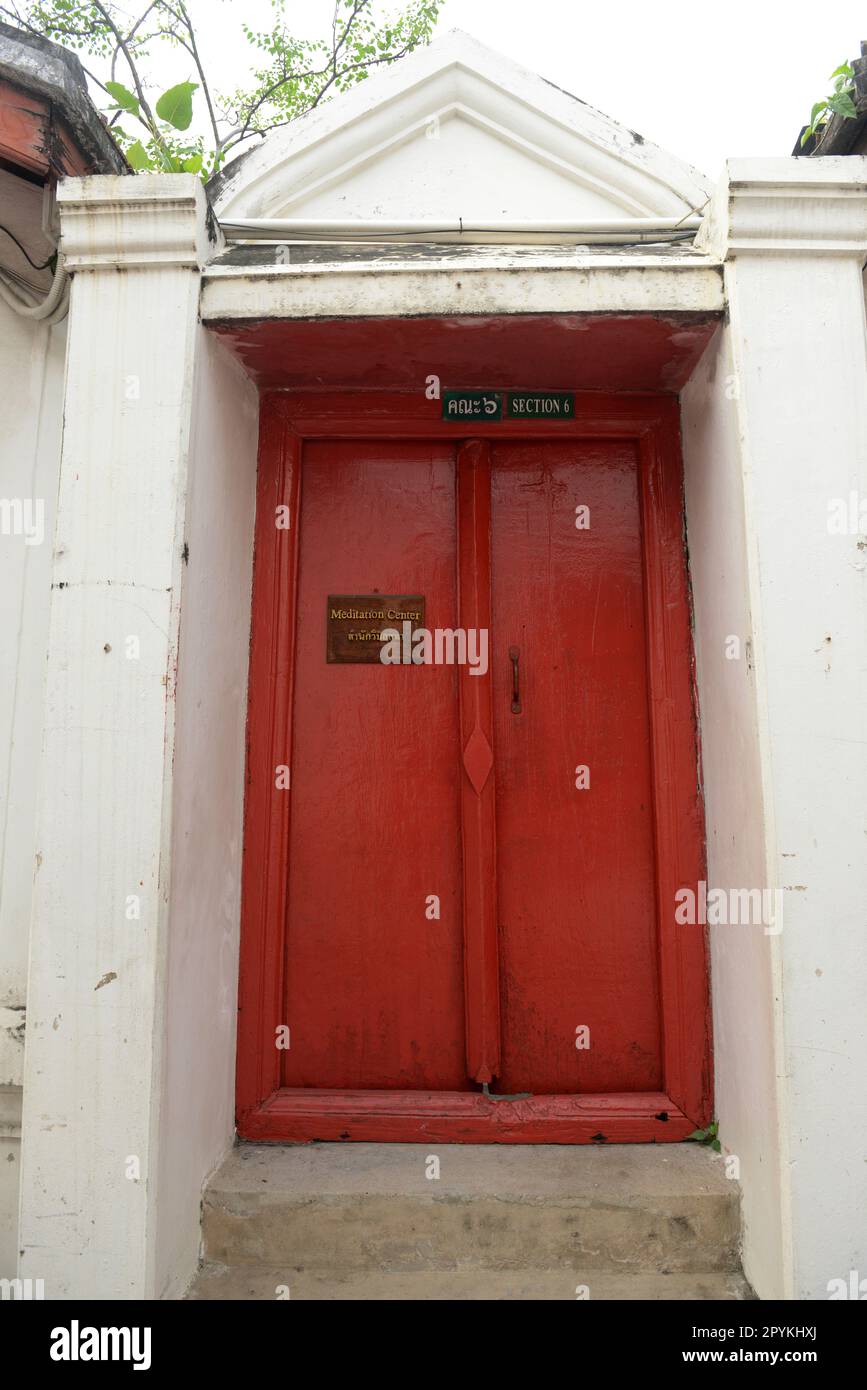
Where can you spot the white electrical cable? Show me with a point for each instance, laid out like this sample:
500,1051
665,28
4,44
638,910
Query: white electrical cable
61,311
619,231
52,307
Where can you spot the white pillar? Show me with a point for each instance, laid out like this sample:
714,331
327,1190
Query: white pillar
96,996
793,233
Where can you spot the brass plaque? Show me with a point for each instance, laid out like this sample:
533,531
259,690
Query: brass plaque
354,624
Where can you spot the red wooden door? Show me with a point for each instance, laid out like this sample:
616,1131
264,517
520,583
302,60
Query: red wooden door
374,989
547,806
575,889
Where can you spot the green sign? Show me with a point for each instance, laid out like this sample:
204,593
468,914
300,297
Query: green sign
472,405
540,405
520,405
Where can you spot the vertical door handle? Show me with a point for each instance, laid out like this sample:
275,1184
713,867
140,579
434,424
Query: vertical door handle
514,656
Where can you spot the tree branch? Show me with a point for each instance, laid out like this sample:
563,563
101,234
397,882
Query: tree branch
245,132
276,94
123,46
193,49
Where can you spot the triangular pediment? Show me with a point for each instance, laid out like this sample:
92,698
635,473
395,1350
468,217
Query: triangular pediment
457,132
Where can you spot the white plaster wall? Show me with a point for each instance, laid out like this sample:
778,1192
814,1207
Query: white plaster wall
10,1152
745,964
31,371
197,1119
97,975
455,169
793,235
801,356
128,1085
457,129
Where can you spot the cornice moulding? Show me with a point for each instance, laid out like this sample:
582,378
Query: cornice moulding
134,223
786,207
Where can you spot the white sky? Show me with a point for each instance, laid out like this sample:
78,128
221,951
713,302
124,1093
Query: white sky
703,81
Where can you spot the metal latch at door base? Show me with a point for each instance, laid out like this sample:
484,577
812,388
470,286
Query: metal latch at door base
519,1095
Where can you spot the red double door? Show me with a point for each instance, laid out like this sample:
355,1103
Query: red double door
465,888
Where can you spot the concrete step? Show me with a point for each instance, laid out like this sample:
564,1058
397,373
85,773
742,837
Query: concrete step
335,1211
250,1283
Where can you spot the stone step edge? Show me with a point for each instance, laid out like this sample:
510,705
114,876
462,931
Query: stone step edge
263,1282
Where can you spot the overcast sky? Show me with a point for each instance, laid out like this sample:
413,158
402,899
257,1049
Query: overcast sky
704,81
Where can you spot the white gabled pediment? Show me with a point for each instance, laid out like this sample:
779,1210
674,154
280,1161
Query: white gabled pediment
457,131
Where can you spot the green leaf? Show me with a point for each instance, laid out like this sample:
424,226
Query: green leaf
819,107
843,105
170,162
176,105
123,96
844,70
707,1137
193,165
139,157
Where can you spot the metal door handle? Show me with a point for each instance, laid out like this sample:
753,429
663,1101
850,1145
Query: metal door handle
514,654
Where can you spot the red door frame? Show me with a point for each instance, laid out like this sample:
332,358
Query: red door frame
265,1111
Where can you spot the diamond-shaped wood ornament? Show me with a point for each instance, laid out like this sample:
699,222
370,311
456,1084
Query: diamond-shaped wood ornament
478,759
